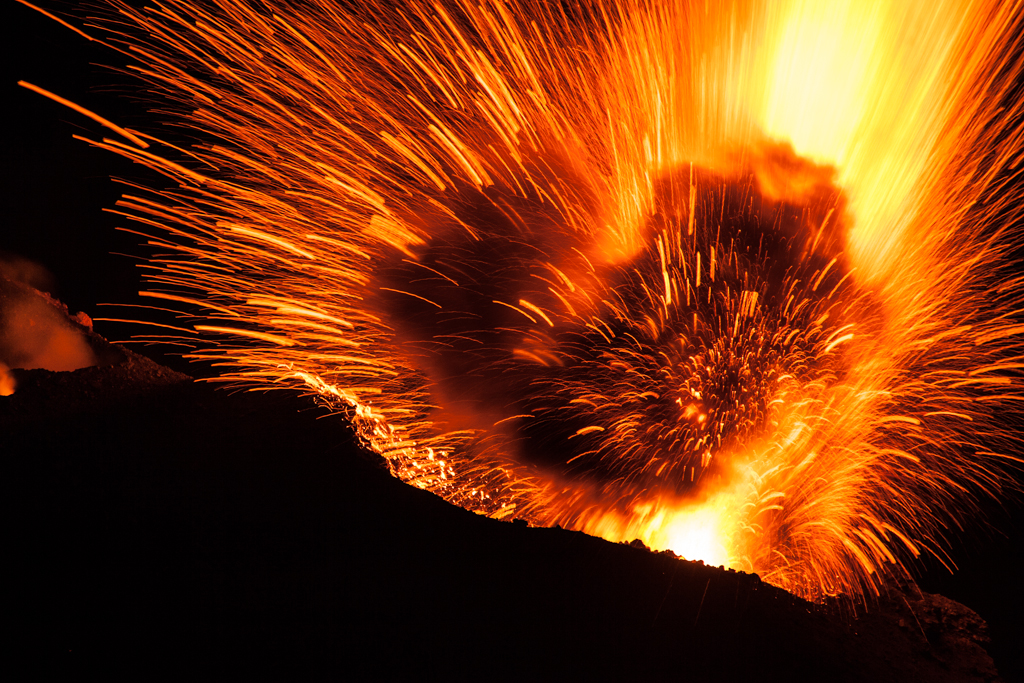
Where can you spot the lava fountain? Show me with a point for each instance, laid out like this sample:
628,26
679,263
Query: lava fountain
732,278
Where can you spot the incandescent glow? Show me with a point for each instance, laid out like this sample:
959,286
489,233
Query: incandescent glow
866,87
732,278
819,85
698,534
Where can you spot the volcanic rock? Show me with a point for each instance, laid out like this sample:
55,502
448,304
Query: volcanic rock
164,530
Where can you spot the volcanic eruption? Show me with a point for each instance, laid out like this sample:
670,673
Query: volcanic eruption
734,280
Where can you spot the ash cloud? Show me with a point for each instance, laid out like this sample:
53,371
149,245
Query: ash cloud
36,331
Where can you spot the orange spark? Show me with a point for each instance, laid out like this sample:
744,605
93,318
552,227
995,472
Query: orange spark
730,278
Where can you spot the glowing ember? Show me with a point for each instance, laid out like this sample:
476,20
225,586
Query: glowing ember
730,278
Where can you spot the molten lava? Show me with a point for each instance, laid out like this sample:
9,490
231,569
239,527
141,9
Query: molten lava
731,278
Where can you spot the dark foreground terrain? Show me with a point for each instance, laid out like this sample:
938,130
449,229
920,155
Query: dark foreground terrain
162,529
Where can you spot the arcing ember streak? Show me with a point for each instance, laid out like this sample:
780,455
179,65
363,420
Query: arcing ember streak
732,278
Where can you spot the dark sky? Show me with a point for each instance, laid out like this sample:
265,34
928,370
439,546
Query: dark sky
55,190
59,192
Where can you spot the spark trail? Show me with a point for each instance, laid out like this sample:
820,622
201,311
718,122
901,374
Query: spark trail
732,278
